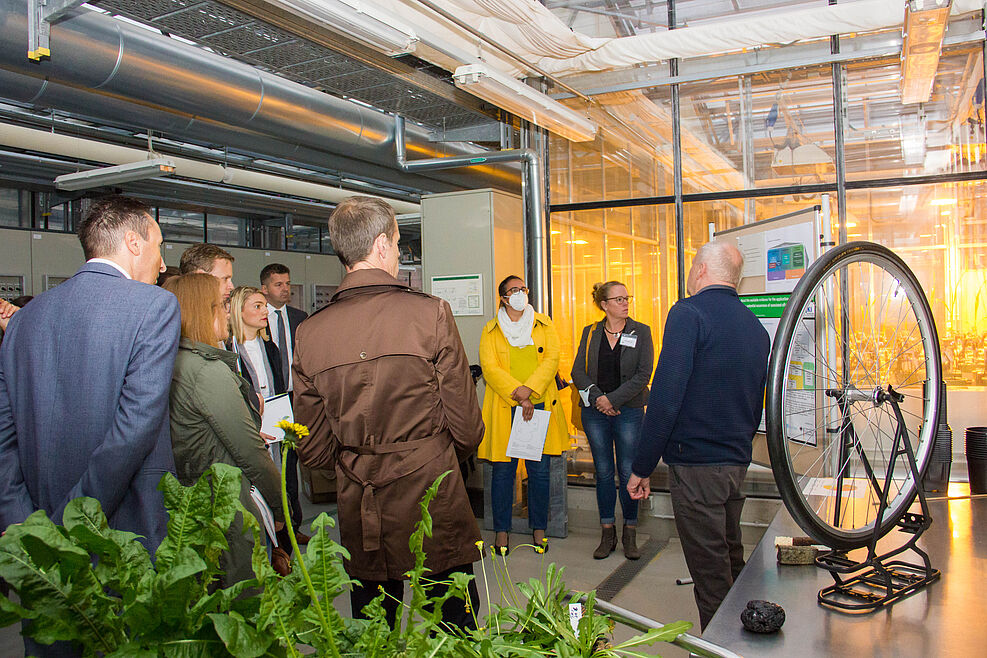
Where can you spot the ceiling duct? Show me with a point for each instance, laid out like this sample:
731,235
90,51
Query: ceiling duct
111,61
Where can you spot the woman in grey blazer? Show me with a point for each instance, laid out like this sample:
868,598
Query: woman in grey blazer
612,370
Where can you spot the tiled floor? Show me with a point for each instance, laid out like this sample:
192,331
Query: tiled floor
652,593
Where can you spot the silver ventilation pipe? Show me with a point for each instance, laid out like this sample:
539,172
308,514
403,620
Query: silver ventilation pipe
537,256
136,75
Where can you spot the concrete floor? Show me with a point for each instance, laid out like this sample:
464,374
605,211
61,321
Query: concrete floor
651,593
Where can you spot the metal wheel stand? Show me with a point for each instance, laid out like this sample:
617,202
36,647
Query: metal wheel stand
879,581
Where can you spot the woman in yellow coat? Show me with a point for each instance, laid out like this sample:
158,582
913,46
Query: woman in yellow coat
519,354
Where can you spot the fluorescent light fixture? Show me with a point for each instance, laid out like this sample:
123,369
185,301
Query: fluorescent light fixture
361,21
113,175
943,202
925,24
518,98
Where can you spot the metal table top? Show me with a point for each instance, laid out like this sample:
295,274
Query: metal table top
947,618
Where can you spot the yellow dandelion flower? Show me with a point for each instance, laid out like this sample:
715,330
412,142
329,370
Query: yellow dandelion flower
479,545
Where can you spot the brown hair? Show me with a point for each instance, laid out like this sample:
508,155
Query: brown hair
237,300
202,258
356,223
106,222
198,297
601,292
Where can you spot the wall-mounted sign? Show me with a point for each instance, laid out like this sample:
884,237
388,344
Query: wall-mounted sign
464,292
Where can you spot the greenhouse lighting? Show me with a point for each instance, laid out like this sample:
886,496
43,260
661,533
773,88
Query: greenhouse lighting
518,98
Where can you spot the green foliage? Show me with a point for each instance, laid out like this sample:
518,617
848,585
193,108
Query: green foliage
97,587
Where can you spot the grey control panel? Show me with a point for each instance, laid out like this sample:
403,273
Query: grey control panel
52,281
11,286
321,294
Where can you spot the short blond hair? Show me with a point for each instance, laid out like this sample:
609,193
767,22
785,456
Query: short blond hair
238,298
355,224
198,297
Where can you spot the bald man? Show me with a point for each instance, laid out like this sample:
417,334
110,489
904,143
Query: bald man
704,407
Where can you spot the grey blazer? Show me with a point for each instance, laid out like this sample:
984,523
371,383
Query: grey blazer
85,372
636,364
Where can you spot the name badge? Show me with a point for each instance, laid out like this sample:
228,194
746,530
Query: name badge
628,340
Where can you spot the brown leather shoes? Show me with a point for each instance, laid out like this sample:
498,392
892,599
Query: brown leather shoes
301,537
280,561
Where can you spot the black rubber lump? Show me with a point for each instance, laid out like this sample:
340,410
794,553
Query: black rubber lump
762,617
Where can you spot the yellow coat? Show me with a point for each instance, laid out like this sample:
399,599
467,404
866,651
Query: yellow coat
497,402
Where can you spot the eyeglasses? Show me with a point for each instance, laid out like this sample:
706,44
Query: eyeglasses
619,300
514,290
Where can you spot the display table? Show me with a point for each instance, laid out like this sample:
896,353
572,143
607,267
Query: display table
945,619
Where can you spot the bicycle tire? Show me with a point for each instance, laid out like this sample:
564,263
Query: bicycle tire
801,313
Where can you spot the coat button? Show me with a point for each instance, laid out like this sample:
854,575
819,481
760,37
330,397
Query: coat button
553,402
363,355
541,349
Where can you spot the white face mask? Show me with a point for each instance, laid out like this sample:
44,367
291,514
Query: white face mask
518,301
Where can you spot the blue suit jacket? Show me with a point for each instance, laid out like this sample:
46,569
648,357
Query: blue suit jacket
85,371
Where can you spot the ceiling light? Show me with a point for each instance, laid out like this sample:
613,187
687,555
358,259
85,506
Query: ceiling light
113,175
518,98
925,24
576,242
943,202
361,21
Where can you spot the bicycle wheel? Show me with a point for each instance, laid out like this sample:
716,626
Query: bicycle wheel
857,322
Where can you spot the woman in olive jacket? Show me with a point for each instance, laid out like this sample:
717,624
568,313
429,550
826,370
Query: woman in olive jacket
211,418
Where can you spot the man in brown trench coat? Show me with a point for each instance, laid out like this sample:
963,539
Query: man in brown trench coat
382,381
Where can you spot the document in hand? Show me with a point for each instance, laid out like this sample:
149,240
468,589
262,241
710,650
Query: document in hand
276,409
527,440
266,515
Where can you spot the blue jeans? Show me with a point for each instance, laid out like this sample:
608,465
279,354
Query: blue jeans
502,493
607,434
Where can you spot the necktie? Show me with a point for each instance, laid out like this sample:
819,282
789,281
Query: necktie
283,348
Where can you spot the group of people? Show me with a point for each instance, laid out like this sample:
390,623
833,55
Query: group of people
107,383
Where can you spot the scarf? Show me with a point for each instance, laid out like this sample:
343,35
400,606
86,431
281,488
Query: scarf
518,334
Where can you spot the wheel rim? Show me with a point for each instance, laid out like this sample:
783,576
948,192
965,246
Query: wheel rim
858,322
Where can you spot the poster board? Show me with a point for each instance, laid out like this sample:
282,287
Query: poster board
777,252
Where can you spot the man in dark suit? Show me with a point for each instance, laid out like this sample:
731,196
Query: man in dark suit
85,372
275,283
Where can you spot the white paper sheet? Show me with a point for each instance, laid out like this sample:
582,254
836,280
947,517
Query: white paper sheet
276,409
527,440
266,515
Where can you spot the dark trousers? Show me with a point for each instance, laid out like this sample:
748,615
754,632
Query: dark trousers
707,503
454,611
291,482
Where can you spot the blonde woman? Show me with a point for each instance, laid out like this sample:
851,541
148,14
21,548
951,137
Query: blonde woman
613,367
519,354
259,358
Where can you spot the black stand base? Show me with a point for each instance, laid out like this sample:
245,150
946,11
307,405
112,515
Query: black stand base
879,581
872,584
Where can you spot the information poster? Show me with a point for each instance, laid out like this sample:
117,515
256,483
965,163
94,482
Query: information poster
800,401
787,253
464,292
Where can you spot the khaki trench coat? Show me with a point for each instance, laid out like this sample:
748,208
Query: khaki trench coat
382,381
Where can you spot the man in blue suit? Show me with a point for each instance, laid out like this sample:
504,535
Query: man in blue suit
85,372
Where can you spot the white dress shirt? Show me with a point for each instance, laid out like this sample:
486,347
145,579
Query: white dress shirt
254,350
272,327
106,261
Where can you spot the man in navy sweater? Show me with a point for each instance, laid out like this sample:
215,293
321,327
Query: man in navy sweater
705,405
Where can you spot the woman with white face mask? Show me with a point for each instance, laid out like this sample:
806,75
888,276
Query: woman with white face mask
519,354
